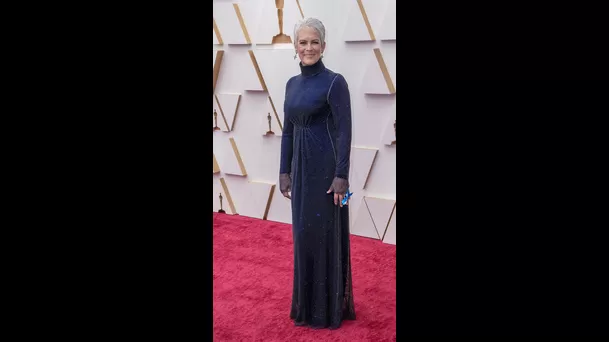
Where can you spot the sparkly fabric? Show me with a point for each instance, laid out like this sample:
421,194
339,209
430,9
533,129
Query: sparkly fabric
315,148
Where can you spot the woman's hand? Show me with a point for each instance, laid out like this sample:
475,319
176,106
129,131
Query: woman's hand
285,184
339,187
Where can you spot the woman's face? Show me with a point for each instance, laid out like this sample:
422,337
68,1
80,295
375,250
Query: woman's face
309,46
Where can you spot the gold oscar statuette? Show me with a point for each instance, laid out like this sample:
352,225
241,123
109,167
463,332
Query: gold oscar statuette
281,37
394,134
270,132
221,211
216,128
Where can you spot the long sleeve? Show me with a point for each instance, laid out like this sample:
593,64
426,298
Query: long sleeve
287,138
340,102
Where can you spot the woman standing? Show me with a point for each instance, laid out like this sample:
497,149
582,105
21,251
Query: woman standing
314,172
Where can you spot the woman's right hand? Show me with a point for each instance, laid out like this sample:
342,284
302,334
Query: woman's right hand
285,184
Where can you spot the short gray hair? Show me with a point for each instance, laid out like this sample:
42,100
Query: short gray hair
313,23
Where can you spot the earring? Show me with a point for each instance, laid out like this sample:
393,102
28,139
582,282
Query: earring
295,56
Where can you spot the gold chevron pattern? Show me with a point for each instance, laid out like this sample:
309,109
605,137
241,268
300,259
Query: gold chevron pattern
238,156
242,23
216,166
365,16
383,66
217,65
217,32
257,67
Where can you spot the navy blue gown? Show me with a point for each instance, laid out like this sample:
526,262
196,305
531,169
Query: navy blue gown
315,148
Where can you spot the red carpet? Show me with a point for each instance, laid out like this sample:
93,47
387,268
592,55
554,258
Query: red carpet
253,285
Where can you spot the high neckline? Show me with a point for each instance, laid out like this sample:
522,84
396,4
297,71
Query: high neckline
310,70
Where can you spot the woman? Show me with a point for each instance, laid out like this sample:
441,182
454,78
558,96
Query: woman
314,172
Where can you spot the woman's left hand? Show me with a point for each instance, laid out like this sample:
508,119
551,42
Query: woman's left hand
339,187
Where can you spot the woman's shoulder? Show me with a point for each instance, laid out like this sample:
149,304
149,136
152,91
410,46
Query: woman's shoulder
291,79
336,76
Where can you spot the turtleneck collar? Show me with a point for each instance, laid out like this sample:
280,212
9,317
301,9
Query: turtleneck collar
310,70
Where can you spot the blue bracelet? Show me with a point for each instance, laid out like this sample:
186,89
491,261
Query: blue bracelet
346,198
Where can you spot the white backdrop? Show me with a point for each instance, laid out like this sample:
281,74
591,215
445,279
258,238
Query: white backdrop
251,77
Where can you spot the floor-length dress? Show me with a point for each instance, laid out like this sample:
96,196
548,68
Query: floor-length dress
315,148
